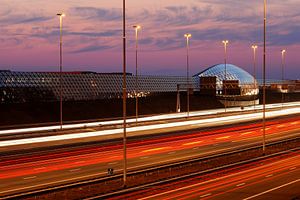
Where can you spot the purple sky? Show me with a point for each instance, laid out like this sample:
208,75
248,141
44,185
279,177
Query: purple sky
92,35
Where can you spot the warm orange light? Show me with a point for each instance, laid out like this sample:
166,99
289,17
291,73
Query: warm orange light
137,27
61,14
225,42
283,51
187,35
254,46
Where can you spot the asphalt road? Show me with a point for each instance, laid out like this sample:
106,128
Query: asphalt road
276,180
41,171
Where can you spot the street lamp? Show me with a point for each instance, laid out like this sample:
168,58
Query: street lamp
60,15
264,78
254,47
283,52
225,42
187,36
136,28
124,97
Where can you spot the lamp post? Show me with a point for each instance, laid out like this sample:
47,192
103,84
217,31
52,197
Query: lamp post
264,78
124,98
225,42
283,52
60,15
254,47
187,36
136,28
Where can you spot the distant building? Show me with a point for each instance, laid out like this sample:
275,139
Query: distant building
237,86
18,87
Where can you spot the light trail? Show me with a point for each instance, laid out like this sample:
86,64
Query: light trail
36,164
143,119
201,122
270,190
223,137
222,184
155,149
192,143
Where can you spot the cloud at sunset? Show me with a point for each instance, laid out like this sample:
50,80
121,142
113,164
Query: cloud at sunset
92,33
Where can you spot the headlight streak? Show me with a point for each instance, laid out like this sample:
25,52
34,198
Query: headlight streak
211,121
143,119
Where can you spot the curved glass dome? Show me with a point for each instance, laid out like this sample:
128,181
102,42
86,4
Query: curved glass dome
246,80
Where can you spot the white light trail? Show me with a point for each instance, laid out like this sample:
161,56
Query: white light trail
142,119
200,122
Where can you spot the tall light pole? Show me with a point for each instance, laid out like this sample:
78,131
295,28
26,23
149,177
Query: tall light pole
225,42
60,15
136,28
124,97
264,78
188,36
282,74
254,47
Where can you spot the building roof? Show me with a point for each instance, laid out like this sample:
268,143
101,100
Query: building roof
232,73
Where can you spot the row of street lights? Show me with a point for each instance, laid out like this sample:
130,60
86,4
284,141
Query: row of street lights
283,52
187,36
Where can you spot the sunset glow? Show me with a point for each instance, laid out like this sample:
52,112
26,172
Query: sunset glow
92,35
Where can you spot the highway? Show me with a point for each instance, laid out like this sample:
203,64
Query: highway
96,135
53,168
148,118
276,179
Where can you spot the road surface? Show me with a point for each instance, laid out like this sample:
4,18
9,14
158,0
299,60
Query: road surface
277,180
37,171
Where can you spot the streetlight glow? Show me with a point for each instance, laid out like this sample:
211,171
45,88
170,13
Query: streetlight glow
254,47
137,27
225,42
187,35
61,14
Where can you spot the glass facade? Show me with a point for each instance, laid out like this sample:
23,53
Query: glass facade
76,86
247,84
44,86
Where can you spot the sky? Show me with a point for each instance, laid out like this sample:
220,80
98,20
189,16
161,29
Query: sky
92,35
